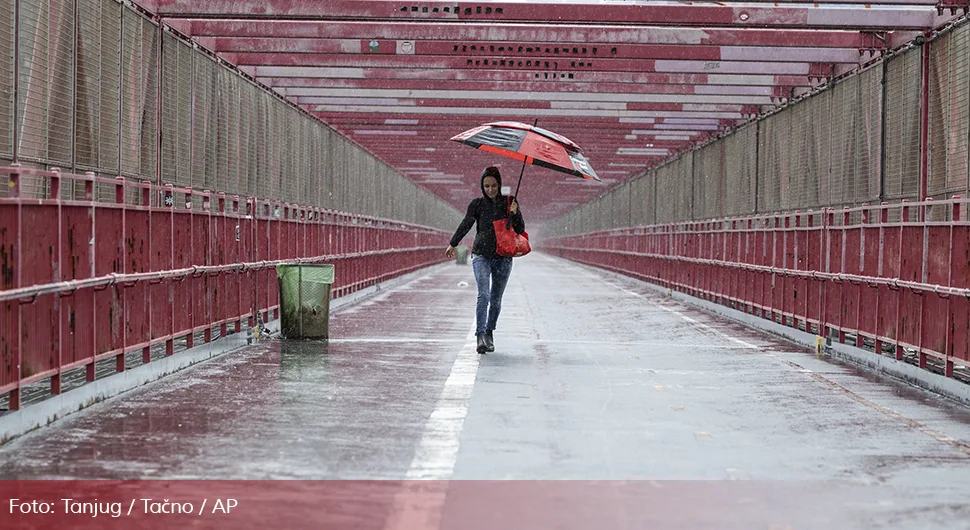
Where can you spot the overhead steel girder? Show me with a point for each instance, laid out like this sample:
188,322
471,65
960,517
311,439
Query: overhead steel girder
586,50
552,78
449,122
805,15
535,112
537,34
299,86
659,102
539,63
475,97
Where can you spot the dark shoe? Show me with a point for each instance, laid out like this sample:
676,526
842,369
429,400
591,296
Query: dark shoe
481,343
489,345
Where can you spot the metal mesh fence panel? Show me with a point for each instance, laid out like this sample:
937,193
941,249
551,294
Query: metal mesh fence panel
708,181
842,165
139,95
805,156
773,162
902,115
619,206
226,123
244,129
867,140
740,166
949,106
98,87
200,132
269,178
178,61
6,78
674,190
643,200
46,98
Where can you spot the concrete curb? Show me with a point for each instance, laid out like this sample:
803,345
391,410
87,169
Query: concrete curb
44,413
904,372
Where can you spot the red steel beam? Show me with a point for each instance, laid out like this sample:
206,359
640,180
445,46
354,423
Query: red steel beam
681,15
475,33
296,86
697,52
550,78
540,64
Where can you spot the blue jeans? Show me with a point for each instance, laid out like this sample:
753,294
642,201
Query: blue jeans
491,275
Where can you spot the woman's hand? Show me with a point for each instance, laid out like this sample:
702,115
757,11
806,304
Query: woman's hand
514,208
450,251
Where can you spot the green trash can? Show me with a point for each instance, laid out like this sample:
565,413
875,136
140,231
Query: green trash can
461,255
305,300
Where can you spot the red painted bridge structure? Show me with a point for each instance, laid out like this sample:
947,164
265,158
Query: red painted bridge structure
798,167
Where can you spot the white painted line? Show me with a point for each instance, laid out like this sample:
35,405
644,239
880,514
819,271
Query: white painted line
421,501
437,452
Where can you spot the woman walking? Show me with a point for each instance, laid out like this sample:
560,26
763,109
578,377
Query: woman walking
491,270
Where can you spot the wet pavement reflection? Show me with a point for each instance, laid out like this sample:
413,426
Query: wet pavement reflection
594,377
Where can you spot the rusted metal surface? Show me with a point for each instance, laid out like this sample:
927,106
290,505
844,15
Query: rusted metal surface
85,280
687,15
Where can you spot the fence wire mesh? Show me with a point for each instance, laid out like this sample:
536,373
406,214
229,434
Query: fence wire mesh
901,171
740,171
949,107
6,78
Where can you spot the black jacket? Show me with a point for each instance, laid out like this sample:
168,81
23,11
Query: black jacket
481,212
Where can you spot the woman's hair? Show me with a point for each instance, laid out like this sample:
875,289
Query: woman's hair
492,171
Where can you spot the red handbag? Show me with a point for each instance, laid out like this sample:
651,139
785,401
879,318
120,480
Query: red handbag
508,243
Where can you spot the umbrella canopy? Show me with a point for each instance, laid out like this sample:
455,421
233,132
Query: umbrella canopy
530,145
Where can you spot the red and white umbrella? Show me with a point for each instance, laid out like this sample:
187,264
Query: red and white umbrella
530,145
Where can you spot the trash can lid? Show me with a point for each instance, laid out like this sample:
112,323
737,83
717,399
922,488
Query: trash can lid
321,273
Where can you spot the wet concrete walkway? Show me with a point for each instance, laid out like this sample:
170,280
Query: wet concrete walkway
594,377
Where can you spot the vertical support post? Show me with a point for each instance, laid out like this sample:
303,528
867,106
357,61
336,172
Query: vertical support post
146,203
904,218
223,241
168,202
208,315
190,337
925,210
924,124
17,350
120,199
55,185
954,233
89,182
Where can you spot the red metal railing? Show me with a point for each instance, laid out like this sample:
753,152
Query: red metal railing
83,279
902,284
